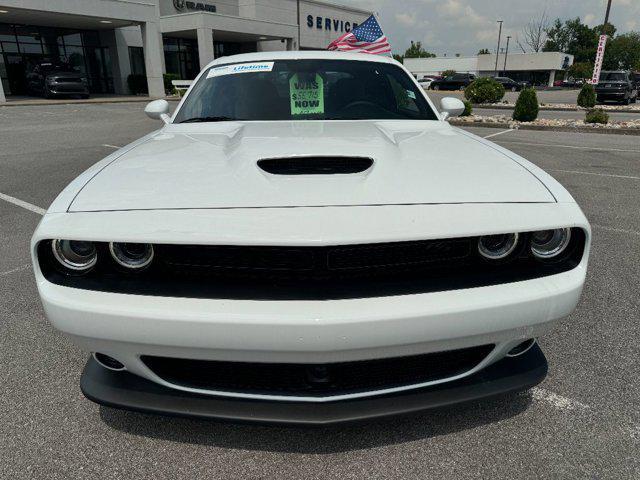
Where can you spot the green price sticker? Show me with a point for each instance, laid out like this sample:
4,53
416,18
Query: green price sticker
307,94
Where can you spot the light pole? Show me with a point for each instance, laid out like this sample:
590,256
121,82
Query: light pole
504,70
498,49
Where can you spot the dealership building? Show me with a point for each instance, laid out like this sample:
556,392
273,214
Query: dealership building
108,40
541,68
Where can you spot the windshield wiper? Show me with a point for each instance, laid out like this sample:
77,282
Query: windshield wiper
209,119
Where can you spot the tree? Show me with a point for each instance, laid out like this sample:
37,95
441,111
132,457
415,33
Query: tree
581,70
587,96
535,32
623,52
416,51
484,51
398,57
448,73
573,37
527,108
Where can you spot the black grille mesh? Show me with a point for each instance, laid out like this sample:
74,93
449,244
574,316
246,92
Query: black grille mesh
316,379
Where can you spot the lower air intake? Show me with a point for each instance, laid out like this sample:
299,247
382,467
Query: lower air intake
316,380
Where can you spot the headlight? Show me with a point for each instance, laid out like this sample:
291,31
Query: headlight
550,243
134,256
75,255
497,247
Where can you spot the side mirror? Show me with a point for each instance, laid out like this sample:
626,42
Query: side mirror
158,110
451,107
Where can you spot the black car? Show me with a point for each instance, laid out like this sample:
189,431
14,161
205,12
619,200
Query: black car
509,84
52,79
457,81
619,86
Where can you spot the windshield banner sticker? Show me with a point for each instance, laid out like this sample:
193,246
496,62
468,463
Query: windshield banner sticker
240,68
307,94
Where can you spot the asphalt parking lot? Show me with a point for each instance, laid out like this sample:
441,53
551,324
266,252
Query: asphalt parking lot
582,422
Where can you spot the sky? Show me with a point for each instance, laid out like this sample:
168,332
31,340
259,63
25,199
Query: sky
466,26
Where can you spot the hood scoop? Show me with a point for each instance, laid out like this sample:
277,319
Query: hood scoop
315,165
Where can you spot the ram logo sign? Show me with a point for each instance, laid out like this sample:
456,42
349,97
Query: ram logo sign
187,5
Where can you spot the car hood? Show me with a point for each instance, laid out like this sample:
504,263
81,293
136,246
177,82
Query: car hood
215,165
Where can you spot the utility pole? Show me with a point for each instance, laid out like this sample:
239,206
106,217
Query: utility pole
606,17
602,45
498,49
506,53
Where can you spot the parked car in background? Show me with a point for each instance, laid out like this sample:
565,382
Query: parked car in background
572,83
510,84
457,81
426,81
618,86
53,79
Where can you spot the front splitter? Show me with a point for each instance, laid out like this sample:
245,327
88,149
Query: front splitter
131,392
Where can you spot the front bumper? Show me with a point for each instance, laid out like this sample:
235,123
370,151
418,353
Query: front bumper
130,392
611,94
68,89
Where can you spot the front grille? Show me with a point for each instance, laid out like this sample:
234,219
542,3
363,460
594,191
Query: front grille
312,273
316,380
315,165
312,262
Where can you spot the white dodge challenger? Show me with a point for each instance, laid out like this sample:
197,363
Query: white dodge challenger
307,240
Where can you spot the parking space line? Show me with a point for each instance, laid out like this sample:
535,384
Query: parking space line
557,401
499,133
574,147
615,230
578,172
110,146
22,204
15,270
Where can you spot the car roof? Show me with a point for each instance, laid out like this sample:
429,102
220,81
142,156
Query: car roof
301,55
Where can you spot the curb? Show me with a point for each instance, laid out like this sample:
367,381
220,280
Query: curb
550,109
91,101
604,131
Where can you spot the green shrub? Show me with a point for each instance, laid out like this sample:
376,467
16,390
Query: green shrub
587,96
448,73
597,115
468,109
137,84
168,86
527,106
484,90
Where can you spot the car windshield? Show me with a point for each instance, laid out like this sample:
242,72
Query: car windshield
305,90
613,77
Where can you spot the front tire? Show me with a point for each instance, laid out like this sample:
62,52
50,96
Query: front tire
435,88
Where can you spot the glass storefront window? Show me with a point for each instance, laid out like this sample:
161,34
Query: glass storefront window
181,57
8,47
35,44
26,33
7,33
136,60
31,48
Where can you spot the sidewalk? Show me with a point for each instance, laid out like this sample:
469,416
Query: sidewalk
95,99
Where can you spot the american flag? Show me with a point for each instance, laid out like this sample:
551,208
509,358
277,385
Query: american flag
367,37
